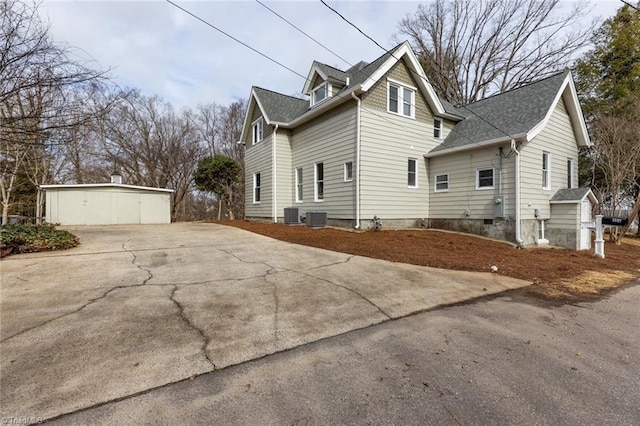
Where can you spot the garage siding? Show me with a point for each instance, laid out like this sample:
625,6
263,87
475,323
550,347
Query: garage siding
107,206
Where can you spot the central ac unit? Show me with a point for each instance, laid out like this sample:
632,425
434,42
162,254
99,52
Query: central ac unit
316,219
291,216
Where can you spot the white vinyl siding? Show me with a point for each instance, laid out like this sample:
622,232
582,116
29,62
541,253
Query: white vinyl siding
330,139
558,139
388,140
462,200
259,159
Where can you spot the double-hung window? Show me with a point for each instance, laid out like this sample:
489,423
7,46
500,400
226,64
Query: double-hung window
318,177
569,173
256,188
299,193
401,99
442,183
437,128
258,130
546,170
484,178
412,173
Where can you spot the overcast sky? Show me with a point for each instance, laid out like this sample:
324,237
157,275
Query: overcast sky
159,49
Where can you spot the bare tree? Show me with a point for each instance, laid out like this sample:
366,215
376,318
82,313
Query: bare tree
36,79
471,49
616,158
152,145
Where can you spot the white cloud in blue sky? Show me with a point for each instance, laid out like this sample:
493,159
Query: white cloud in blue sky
157,48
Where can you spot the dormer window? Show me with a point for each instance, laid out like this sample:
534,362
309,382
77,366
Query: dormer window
320,93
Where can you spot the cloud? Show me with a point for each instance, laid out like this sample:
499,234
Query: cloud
159,49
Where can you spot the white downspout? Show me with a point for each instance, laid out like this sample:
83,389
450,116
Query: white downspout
357,161
274,141
518,231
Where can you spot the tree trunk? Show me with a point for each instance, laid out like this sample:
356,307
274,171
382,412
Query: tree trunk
39,206
219,208
632,217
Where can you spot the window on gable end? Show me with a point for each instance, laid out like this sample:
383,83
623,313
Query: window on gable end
401,99
569,173
258,130
437,128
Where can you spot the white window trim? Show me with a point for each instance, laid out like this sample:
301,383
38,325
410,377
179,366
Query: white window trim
259,123
347,178
399,85
570,172
255,175
547,187
315,182
435,183
415,160
441,128
326,98
298,182
493,175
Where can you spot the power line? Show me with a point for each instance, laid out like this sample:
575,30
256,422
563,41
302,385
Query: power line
354,26
300,30
630,5
307,79
411,70
234,39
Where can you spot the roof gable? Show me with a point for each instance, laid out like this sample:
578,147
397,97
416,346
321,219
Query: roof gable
572,196
520,113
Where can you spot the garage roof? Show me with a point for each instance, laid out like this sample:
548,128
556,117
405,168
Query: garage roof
104,185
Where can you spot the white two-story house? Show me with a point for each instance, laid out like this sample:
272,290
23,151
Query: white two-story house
376,140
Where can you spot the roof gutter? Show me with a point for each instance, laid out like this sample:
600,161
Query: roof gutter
514,148
358,100
274,141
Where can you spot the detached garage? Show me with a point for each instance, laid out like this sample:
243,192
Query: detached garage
106,204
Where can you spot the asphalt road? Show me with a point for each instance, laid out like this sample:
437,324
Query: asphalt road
136,307
502,360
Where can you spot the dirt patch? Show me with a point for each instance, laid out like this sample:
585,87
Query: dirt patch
555,272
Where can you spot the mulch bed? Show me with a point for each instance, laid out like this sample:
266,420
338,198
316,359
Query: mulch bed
542,266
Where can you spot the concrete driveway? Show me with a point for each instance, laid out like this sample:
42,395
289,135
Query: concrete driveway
137,307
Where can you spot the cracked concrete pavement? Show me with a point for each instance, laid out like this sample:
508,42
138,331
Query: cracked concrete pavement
137,307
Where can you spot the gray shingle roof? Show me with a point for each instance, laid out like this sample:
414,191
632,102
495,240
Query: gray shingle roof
280,108
510,113
332,72
569,194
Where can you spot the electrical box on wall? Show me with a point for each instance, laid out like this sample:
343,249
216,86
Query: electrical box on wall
498,206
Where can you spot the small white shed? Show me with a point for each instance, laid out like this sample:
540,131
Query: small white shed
106,204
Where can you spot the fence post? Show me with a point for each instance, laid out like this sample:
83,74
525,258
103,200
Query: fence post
599,237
